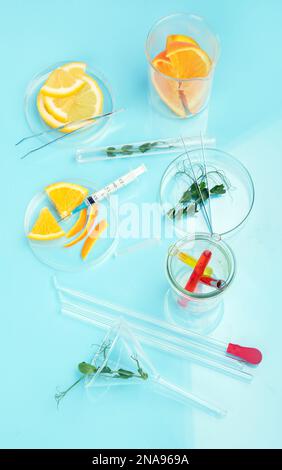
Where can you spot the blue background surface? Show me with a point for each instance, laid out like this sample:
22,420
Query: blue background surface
40,348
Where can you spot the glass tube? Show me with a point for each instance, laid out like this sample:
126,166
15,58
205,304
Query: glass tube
153,148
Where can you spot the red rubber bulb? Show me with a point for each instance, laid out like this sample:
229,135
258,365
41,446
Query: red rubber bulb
250,355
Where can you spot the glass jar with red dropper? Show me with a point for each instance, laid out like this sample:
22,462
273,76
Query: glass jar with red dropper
200,268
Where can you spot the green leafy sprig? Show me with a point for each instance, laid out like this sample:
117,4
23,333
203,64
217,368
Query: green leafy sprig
129,149
87,369
197,194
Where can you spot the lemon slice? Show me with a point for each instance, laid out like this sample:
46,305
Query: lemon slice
52,121
46,227
86,102
65,81
66,196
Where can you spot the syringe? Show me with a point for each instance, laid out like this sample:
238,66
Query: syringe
109,189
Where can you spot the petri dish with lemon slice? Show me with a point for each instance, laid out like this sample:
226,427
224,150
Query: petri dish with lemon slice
182,53
67,94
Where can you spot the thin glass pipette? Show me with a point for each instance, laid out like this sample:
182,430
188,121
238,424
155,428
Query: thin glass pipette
202,205
206,177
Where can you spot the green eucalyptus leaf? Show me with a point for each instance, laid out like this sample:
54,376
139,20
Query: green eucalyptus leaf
145,147
186,197
218,189
106,370
125,374
87,369
111,151
127,149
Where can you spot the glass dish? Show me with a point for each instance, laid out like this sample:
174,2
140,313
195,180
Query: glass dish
228,211
200,310
82,136
180,98
53,253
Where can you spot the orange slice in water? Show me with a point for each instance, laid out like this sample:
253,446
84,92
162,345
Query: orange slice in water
46,227
79,224
168,90
93,237
66,196
188,61
194,94
88,227
180,38
163,64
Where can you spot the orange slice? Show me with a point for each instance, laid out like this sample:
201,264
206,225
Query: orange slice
88,227
194,94
163,64
93,237
188,61
168,91
46,227
66,196
79,224
180,38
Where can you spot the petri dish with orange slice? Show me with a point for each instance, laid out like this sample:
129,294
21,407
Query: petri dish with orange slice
76,242
182,54
68,92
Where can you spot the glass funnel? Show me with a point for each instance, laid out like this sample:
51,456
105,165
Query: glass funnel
121,361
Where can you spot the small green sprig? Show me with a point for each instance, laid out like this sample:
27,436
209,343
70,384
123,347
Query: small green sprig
129,149
87,369
198,193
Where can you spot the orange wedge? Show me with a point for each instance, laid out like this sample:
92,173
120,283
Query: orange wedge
163,64
93,237
168,90
66,196
194,94
88,227
188,61
79,224
180,38
46,227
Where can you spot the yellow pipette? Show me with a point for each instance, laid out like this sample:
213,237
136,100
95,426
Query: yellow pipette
191,261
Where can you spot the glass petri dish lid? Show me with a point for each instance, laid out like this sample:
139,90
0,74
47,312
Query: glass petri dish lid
227,212
53,253
81,136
